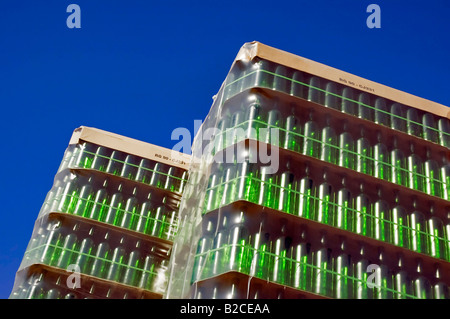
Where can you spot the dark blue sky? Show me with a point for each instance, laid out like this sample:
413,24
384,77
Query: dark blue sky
144,68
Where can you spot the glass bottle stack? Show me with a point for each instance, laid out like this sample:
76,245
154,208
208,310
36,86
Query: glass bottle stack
107,225
313,186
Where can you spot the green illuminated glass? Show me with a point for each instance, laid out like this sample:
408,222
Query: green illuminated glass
325,204
418,235
346,153
364,162
380,217
380,154
398,167
401,285
415,172
328,152
286,197
432,178
342,281
301,273
399,235
342,209
362,218
293,139
311,140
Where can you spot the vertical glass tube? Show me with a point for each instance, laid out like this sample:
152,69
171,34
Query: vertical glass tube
69,197
84,257
281,81
402,285
218,257
148,273
158,178
116,264
264,76
247,186
399,227
143,220
312,139
362,291
445,178
348,104
101,158
86,156
364,157
261,251
444,132
331,97
130,211
280,270
157,220
98,268
274,123
144,173
315,93
286,197
384,277
398,117
381,161
325,204
220,141
49,248
418,232
346,150
267,189
415,172
413,124
365,110
436,238
305,198
84,203
322,272
381,112
301,268
130,167
298,87
293,139
100,204
344,211
432,178
329,148
229,185
398,167
231,85
362,217
342,281
211,193
237,247
254,119
205,244
114,208
430,132
133,269
236,129
422,288
68,250
441,291
115,163
169,184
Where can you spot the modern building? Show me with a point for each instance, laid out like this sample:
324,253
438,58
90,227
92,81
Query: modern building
107,225
304,182
310,182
